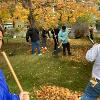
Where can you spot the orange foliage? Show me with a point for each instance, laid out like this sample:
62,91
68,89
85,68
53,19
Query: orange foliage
57,93
47,16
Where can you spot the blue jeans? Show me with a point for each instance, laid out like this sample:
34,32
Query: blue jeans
91,93
36,45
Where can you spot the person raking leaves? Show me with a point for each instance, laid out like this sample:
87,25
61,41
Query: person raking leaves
5,94
92,91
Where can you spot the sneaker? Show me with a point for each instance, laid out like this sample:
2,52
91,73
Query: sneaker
40,54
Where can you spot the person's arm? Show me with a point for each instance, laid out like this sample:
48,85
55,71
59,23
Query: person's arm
67,30
92,53
13,96
60,37
4,90
5,93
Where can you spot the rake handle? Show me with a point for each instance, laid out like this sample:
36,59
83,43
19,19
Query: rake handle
60,45
12,71
91,41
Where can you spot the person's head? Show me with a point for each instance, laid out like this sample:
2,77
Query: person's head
63,28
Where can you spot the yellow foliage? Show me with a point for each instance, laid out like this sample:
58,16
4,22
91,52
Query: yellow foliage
20,12
46,17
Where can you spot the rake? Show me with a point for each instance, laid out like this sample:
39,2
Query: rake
12,71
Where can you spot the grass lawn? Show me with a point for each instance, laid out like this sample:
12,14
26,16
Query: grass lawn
34,71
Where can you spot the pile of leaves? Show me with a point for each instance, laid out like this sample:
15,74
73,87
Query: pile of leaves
57,93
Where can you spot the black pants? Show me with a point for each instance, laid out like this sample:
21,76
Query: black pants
55,44
66,45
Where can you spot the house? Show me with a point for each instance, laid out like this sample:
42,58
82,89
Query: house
8,25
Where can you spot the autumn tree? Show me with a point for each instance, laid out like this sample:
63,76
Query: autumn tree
47,13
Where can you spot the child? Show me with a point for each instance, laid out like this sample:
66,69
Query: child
63,37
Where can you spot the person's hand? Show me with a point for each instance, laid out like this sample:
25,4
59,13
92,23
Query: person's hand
24,96
48,38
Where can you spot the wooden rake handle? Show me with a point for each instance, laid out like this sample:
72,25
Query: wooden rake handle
91,39
12,71
60,45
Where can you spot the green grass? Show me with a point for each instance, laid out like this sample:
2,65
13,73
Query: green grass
34,71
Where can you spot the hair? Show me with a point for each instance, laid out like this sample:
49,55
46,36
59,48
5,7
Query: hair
1,29
63,28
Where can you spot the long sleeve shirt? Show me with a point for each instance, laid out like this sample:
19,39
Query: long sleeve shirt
4,91
63,36
94,55
32,33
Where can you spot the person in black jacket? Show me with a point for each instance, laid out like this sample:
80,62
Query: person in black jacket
33,34
55,32
45,34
